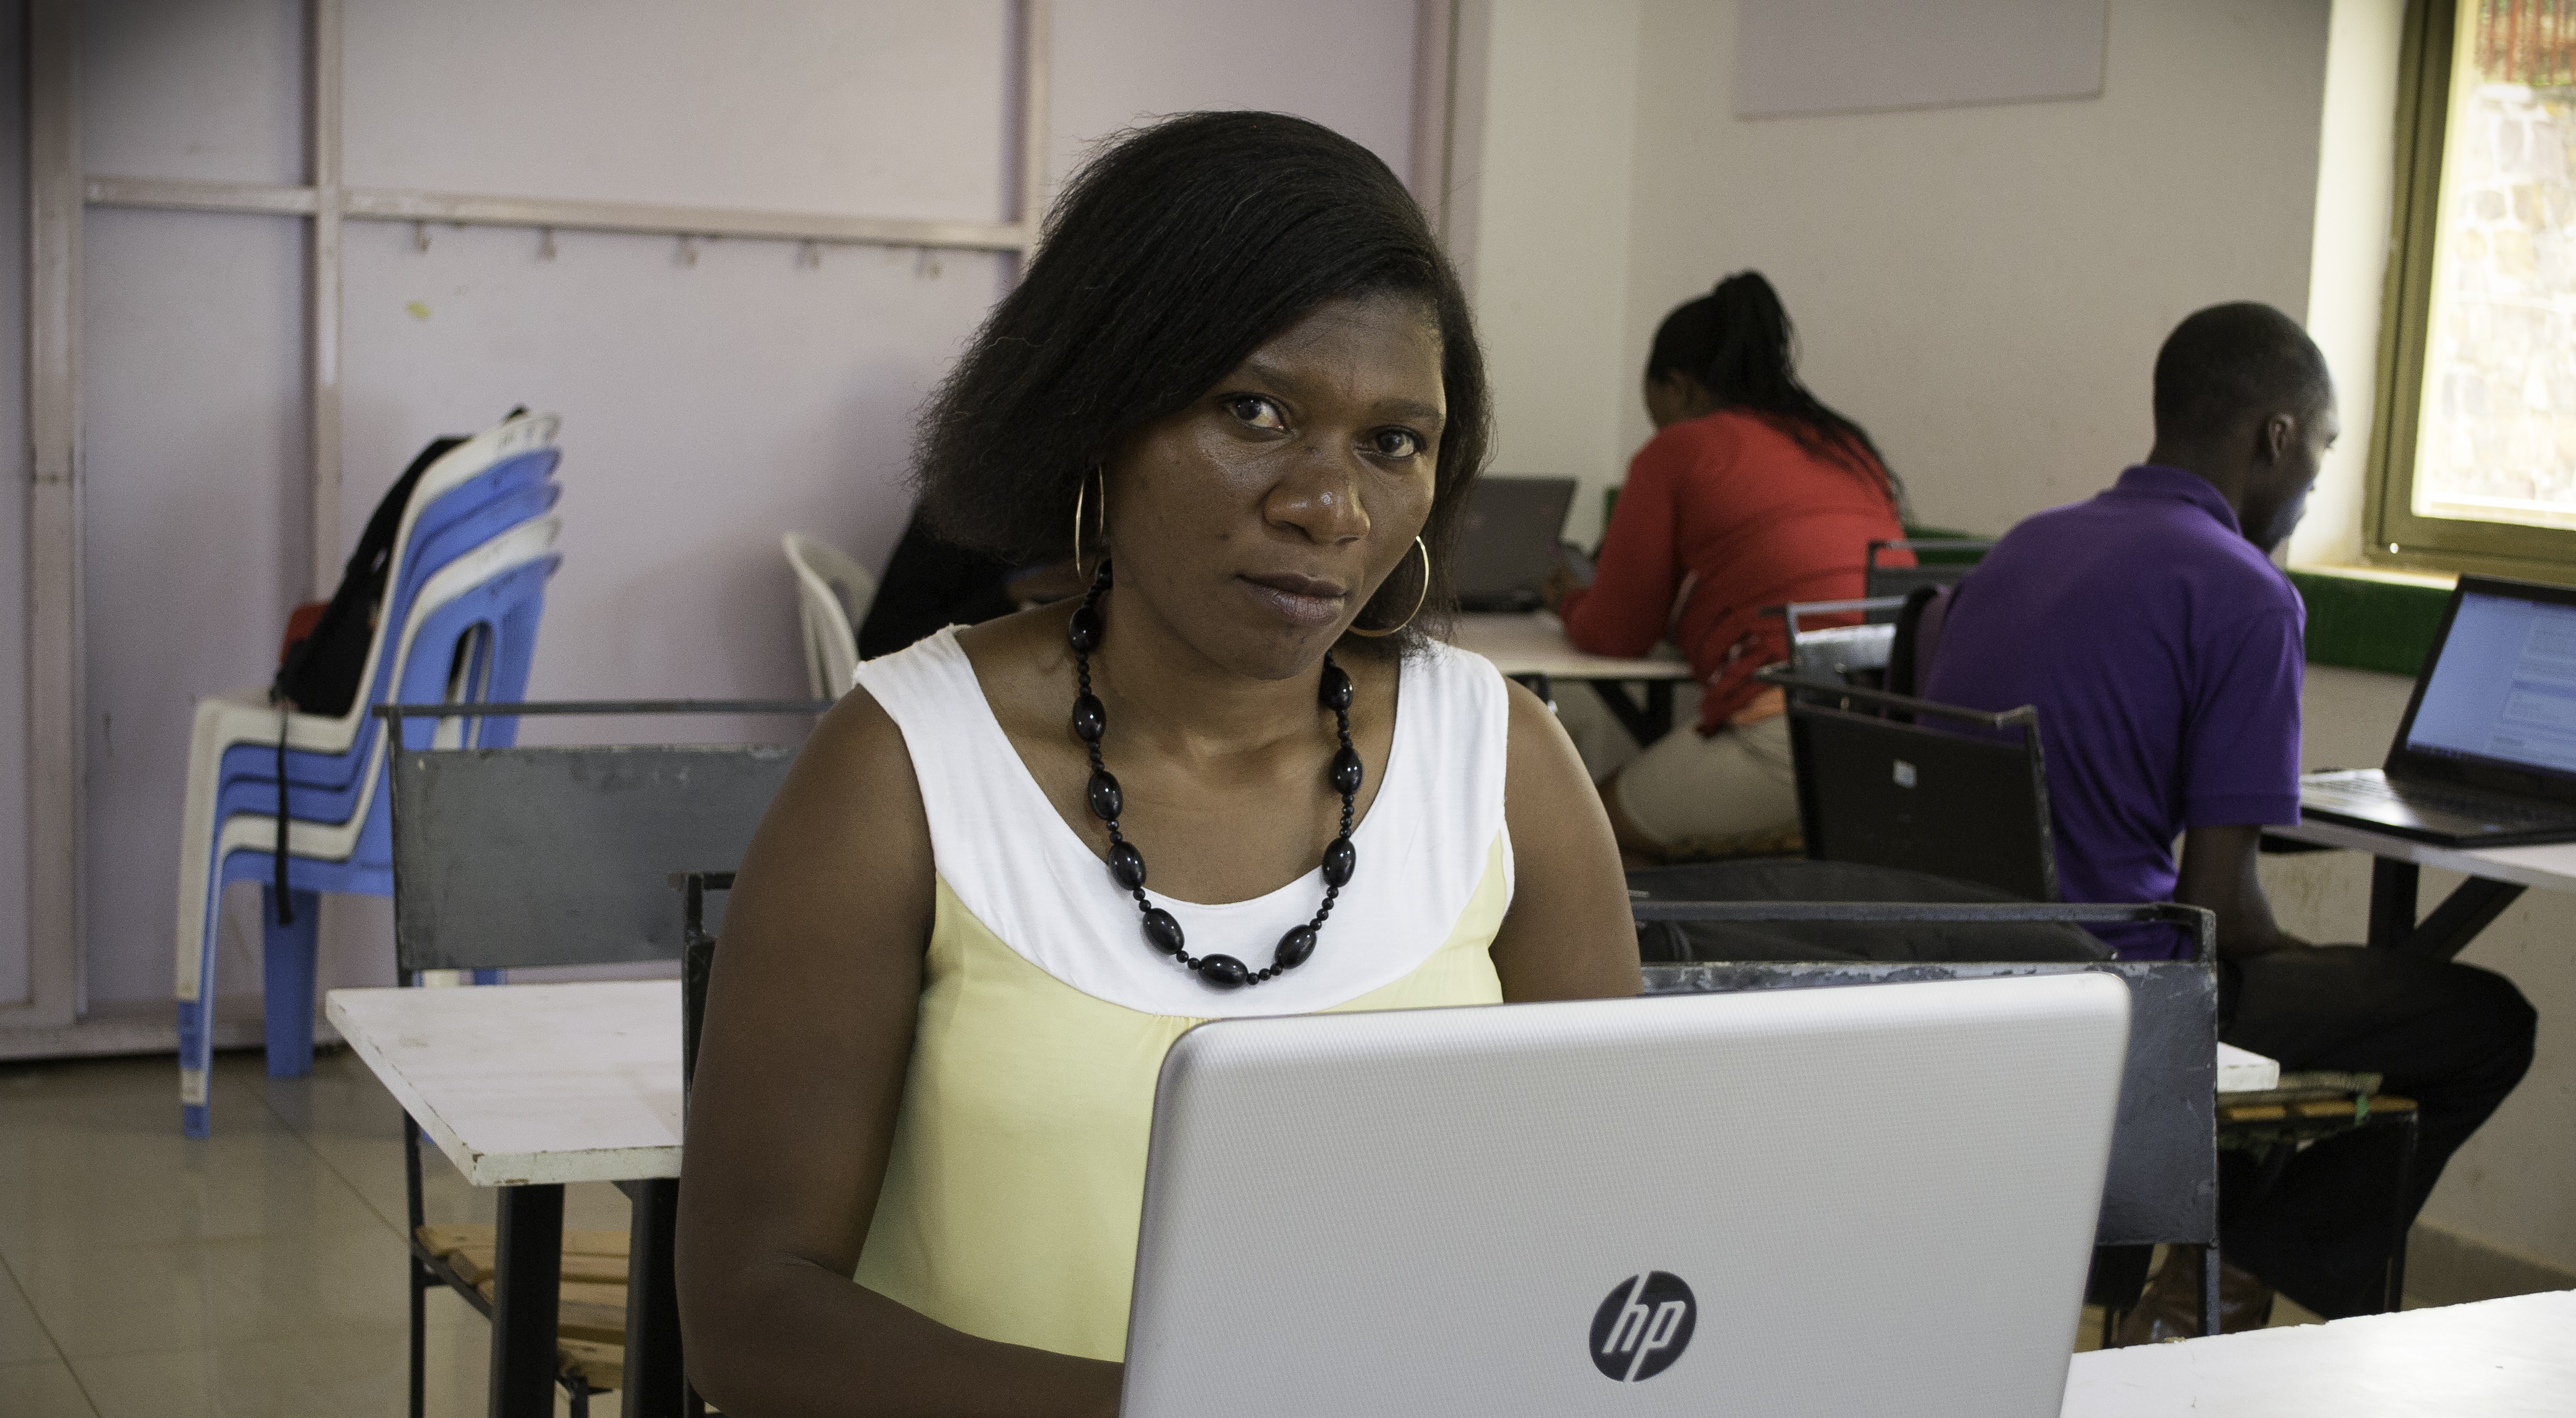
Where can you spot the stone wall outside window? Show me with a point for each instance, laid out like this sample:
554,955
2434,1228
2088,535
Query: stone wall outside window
2497,436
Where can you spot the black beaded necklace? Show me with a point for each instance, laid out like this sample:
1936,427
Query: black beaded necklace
1127,865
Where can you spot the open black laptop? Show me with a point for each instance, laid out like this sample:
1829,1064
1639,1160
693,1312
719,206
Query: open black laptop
1508,541
2486,756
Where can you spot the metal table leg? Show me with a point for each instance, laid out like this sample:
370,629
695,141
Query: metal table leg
2392,901
526,1288
2406,1133
1647,722
2209,1310
2469,909
653,1371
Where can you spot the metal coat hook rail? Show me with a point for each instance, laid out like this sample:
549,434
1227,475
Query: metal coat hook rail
541,214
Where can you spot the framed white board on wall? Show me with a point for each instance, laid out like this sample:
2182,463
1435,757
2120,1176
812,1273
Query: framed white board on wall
1848,56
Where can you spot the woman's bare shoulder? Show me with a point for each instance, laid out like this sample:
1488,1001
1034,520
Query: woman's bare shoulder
856,735
1568,934
1021,662
852,788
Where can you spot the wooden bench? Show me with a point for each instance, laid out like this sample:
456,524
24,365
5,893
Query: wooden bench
2321,1112
590,1325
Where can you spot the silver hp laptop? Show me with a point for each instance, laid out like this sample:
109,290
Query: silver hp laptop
2486,755
1878,1199
1508,541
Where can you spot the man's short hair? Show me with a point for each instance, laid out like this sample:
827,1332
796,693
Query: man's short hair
2228,361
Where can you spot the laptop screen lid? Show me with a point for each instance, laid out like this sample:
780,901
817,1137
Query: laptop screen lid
1676,1205
2495,704
1507,540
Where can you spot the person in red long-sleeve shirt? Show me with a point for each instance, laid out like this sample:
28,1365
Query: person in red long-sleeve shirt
1752,493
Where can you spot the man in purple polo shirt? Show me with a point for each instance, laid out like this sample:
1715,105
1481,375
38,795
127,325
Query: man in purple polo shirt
2164,652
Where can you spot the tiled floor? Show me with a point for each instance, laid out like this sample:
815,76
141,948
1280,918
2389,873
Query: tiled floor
257,1274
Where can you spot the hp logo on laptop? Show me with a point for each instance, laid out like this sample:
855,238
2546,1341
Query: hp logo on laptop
1643,1327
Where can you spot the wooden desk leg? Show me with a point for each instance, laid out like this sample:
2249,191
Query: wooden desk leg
653,1372
2392,901
527,1287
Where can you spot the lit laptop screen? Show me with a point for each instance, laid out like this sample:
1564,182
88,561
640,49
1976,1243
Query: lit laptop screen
2504,686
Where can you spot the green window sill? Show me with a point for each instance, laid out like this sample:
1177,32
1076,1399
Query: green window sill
2365,619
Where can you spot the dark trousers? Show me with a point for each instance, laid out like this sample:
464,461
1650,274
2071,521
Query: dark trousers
2317,1224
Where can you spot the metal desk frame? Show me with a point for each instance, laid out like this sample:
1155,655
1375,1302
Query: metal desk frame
528,1245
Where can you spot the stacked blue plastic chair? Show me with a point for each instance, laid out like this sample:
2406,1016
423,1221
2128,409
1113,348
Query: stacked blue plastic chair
322,786
462,603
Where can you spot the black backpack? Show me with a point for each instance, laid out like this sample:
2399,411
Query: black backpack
319,673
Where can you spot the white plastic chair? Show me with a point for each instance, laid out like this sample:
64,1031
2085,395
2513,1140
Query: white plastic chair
1842,651
832,596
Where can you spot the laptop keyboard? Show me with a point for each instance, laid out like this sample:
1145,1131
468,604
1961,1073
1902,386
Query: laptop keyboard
2476,806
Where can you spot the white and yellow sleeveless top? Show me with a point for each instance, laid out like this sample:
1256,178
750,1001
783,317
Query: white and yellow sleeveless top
1011,1200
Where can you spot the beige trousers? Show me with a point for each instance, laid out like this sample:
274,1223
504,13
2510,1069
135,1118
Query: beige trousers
1729,791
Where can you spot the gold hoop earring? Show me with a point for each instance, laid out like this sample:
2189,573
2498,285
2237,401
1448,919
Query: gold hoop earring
1417,599
1081,491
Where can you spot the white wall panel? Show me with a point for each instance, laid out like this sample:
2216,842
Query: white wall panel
706,410
2356,184
1541,193
1985,288
895,108
1344,63
195,548
13,514
1840,56
205,89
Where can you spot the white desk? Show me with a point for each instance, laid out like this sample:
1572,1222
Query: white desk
522,1084
1534,647
1535,644
526,1088
2501,1357
2551,868
2496,875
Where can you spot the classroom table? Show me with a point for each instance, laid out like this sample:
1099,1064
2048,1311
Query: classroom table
528,1087
2485,1360
1532,648
2496,875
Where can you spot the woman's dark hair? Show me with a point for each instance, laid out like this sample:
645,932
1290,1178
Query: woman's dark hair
1738,343
1174,253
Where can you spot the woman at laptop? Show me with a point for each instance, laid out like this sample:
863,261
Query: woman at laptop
1239,385
1751,494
